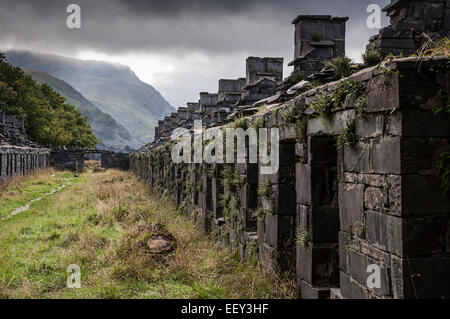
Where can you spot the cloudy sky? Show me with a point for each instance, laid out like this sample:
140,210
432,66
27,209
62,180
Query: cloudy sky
181,47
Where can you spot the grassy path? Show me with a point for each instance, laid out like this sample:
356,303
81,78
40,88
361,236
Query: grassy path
102,222
22,191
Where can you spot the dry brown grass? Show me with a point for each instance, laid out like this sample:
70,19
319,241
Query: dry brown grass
197,257
41,176
104,224
436,47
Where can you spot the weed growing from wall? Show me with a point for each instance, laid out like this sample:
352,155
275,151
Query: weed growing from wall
348,135
303,237
444,166
323,106
372,57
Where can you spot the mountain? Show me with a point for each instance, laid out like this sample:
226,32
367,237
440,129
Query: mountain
111,134
113,88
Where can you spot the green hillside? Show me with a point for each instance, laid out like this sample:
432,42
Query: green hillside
111,134
113,88
49,120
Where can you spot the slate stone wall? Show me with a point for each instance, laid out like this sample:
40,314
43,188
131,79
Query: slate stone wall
19,161
18,155
115,161
73,160
413,23
67,160
358,185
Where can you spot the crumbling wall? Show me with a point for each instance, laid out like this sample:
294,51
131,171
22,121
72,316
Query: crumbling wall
358,185
115,161
67,160
413,23
19,161
18,155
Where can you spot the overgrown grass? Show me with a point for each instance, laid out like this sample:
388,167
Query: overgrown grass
20,191
341,66
100,223
372,57
440,47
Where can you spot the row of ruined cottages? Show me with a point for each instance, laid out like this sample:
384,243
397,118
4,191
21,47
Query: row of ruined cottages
18,155
358,207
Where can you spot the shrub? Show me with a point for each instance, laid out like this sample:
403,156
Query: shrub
444,166
266,189
49,120
341,66
317,37
303,237
295,78
260,214
372,57
348,135
301,127
288,115
436,48
257,123
323,105
239,123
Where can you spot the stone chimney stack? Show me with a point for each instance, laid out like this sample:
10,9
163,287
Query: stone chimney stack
410,20
318,39
259,68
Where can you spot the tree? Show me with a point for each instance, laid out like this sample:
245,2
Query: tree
49,121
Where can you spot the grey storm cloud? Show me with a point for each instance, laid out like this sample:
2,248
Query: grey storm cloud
121,26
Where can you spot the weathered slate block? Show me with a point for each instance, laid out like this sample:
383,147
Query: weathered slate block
385,156
350,289
356,159
385,232
383,93
370,127
375,199
303,184
333,126
279,230
351,206
217,190
357,267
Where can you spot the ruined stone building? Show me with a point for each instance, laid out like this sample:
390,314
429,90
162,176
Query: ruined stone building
360,182
18,155
413,23
318,39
